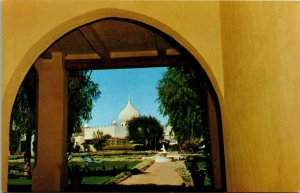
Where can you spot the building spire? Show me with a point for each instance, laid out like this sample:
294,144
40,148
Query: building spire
129,99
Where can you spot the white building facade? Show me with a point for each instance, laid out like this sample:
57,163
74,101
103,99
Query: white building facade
117,132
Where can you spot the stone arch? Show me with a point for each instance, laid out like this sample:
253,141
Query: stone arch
65,26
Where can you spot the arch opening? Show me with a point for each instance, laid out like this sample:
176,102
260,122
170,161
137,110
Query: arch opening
101,53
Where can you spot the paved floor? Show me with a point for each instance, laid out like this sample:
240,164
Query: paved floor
159,173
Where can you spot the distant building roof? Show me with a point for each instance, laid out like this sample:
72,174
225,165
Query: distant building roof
128,113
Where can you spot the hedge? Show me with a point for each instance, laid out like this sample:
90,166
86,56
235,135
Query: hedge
115,152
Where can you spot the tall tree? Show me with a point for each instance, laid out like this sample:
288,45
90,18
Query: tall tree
23,116
145,130
182,97
82,91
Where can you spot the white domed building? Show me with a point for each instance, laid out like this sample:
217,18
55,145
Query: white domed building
128,113
117,132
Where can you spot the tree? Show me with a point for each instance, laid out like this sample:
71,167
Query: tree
145,130
99,139
182,97
193,145
81,93
23,116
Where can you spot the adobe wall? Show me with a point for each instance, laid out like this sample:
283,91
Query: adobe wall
29,27
254,71
26,36
261,122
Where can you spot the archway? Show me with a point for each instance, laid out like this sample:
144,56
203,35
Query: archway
141,18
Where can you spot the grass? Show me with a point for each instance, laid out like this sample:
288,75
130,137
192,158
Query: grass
125,162
96,180
109,165
110,162
19,181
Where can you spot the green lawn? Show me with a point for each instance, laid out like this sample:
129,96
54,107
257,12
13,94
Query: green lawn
17,167
19,181
97,180
109,165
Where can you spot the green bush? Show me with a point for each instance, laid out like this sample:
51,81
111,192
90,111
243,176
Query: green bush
115,153
100,139
192,145
139,147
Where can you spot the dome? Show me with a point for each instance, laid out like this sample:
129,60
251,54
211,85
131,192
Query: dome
128,113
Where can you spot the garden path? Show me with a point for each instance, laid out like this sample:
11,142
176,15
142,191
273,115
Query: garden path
159,173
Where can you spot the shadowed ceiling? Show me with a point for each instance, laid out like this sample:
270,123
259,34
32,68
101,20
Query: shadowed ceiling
116,43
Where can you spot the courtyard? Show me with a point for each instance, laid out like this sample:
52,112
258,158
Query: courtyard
120,171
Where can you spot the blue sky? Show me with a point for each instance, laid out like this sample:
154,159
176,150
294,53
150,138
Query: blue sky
117,85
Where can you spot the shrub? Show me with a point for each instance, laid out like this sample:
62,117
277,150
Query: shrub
139,147
116,152
100,139
192,145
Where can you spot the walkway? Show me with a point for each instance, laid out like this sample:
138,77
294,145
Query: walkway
159,173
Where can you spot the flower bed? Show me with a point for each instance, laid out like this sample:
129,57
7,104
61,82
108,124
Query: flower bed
184,173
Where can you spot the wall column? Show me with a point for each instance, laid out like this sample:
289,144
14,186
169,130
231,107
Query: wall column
50,173
261,63
215,140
